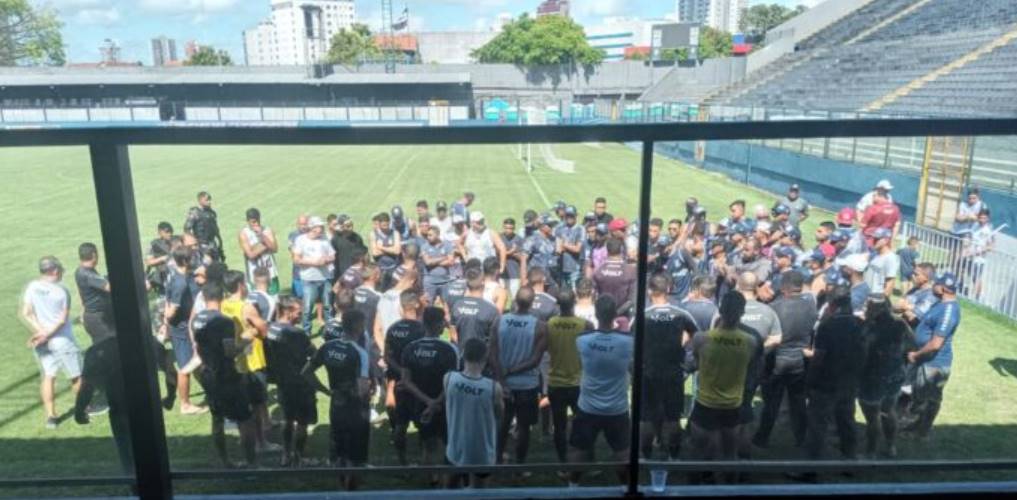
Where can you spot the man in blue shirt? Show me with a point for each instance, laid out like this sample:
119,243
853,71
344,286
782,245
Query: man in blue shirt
570,246
935,335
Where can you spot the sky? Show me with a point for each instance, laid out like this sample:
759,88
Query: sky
220,23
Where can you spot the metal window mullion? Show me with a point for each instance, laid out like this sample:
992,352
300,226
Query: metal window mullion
114,192
645,197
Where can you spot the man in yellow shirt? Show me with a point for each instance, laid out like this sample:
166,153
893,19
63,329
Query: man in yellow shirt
566,371
251,329
722,356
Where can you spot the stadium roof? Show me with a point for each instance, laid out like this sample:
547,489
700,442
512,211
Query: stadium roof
11,77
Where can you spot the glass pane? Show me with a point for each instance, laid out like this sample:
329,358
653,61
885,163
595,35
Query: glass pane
507,182
48,429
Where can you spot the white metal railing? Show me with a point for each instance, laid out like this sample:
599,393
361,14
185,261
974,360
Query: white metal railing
987,276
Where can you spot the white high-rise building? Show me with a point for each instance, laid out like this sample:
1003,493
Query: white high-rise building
298,32
723,15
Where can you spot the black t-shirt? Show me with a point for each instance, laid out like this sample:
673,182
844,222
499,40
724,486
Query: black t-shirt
604,218
840,340
544,306
287,350
212,330
351,278
454,291
798,317
91,287
428,360
344,246
346,363
366,301
512,266
473,317
665,326
398,336
181,292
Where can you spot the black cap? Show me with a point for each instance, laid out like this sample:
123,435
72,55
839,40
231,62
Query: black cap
794,187
440,206
529,216
49,263
570,211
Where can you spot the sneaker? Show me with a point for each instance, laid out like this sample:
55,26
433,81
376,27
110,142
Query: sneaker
97,409
52,423
229,425
376,417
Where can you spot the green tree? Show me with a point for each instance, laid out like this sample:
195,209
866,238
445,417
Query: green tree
674,55
208,56
759,19
353,46
546,40
714,43
29,35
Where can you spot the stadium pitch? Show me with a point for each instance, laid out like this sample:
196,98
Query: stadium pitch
50,208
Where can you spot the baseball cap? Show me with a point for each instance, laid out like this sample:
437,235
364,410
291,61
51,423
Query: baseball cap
559,205
833,277
618,224
441,206
881,233
397,212
602,228
458,219
725,222
590,216
817,255
947,281
476,216
885,185
793,232
547,220
50,263
570,211
781,209
315,221
529,216
784,252
828,250
342,219
846,216
858,262
794,187
840,235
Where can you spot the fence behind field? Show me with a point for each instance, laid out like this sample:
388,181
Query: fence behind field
989,279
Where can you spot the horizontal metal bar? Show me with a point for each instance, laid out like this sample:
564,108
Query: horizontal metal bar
293,134
196,475
55,482
779,466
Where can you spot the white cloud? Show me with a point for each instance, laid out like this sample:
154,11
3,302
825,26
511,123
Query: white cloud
481,24
194,7
101,17
600,7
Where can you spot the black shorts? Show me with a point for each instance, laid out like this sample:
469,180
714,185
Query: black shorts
257,387
663,399
746,415
586,427
405,408
715,420
524,405
298,404
351,431
98,326
228,400
434,428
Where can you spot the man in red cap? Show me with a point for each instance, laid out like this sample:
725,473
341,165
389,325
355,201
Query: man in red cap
617,228
846,218
882,214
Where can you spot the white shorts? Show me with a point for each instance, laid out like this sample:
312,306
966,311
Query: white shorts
64,356
512,286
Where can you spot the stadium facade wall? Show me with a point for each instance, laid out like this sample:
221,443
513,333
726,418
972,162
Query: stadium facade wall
825,183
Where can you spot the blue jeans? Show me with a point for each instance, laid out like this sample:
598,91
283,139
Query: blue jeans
298,287
313,290
570,278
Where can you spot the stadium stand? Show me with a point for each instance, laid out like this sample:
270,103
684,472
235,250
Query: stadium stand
927,57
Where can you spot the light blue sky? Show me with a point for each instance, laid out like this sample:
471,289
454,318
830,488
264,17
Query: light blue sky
133,23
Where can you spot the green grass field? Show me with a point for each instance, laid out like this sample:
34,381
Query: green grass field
50,208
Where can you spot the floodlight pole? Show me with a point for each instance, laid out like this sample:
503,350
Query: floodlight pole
118,220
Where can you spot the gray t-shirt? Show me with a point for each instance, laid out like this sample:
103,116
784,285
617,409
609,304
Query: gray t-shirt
310,248
703,311
762,318
49,301
881,268
761,267
969,211
799,207
605,359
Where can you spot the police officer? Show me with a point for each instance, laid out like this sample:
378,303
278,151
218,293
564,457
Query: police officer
203,223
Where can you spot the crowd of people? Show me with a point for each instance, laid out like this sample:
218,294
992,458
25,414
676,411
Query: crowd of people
475,335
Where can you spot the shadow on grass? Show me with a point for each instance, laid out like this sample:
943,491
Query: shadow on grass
1004,367
96,456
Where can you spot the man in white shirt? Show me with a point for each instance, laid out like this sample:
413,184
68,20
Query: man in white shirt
982,239
313,255
46,310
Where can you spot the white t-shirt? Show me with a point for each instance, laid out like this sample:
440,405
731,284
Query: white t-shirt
981,238
447,230
866,201
881,268
389,309
314,249
49,301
